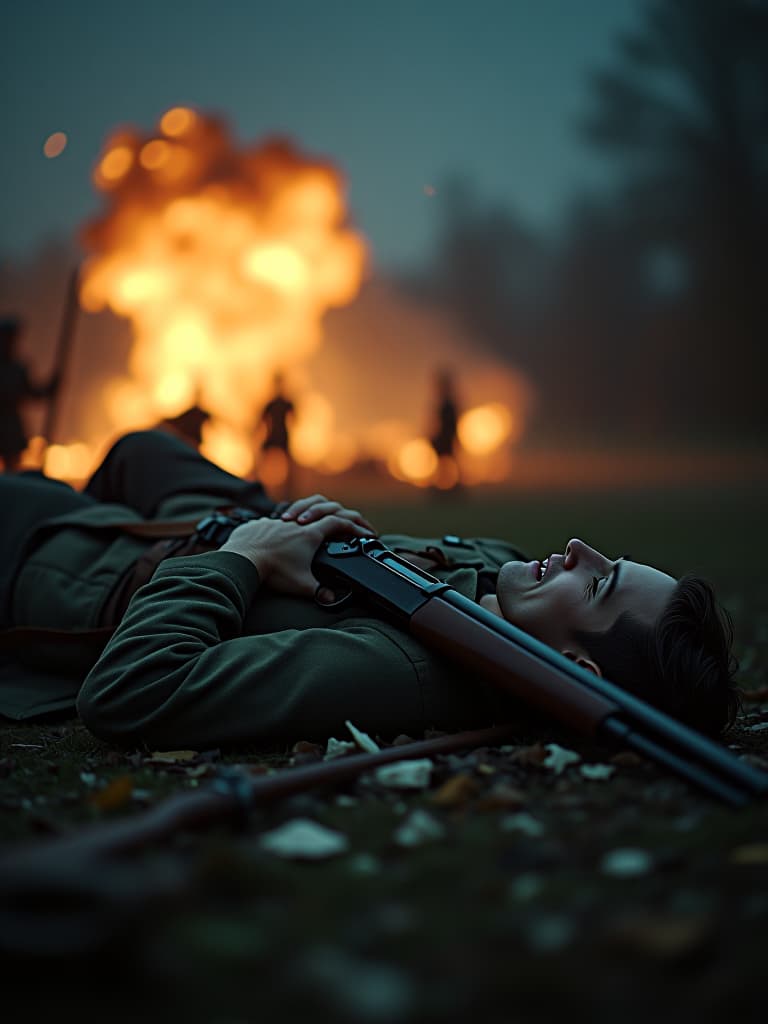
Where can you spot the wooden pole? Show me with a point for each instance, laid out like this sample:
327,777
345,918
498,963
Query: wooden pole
62,352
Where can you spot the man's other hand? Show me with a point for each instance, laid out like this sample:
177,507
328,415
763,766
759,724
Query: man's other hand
317,506
283,551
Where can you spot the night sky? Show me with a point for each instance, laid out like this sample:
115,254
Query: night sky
400,95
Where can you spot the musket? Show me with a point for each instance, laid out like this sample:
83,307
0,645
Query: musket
541,677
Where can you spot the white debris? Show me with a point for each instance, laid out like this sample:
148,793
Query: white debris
413,774
419,827
626,862
338,748
304,839
757,728
522,822
559,758
363,740
597,772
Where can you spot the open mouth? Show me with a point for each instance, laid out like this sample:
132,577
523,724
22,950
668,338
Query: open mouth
543,566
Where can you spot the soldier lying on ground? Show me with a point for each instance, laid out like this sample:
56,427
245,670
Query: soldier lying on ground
234,645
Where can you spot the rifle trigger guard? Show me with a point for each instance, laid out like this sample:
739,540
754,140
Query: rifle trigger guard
332,605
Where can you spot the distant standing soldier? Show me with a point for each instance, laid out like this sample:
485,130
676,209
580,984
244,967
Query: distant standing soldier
15,388
444,437
275,422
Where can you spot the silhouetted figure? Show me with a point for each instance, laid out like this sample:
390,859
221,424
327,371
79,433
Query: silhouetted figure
188,425
15,388
444,436
275,463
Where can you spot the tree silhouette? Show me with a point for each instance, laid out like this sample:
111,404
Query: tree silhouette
683,111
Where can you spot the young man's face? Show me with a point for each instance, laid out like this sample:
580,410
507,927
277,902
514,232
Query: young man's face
581,590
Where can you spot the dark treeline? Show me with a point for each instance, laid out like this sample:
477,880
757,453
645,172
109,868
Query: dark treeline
647,317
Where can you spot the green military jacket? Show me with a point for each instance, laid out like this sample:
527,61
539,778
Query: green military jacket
207,656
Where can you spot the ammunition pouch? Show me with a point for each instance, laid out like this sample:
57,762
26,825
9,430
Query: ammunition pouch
207,534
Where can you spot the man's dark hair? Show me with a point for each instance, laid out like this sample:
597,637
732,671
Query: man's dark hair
682,664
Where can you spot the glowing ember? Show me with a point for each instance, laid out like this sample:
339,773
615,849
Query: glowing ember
415,461
483,429
55,145
225,261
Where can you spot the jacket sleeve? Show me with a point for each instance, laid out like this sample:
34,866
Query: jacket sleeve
178,673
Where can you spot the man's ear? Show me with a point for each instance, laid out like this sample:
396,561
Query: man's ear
584,661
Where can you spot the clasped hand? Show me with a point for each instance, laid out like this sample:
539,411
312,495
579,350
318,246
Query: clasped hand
282,549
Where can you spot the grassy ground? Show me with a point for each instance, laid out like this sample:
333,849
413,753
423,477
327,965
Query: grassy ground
534,895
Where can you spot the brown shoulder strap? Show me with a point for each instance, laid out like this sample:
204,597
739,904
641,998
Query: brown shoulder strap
18,639
156,528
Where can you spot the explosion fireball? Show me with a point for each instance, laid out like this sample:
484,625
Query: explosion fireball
224,259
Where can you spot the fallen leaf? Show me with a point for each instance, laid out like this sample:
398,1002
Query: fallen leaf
338,748
362,739
597,772
419,827
414,774
455,791
750,853
171,756
118,792
558,758
304,839
305,747
533,755
665,936
626,862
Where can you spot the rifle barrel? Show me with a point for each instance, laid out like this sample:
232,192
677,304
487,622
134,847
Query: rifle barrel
640,717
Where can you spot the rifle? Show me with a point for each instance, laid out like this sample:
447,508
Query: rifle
465,632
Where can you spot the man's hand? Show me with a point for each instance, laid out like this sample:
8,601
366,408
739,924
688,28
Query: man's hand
310,510
283,551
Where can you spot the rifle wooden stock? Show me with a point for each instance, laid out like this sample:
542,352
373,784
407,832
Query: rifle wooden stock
449,629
